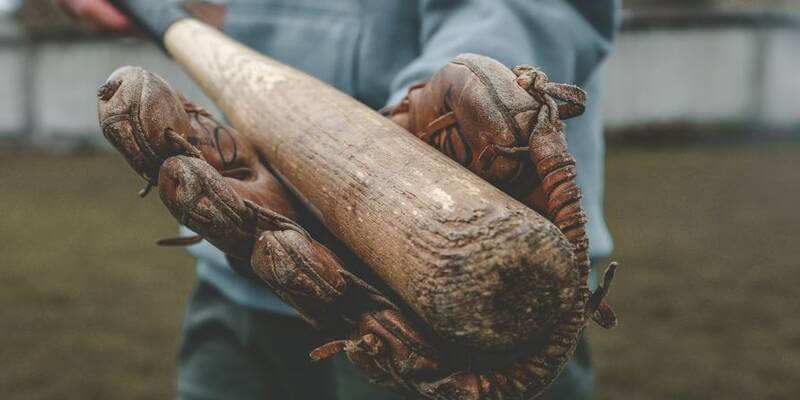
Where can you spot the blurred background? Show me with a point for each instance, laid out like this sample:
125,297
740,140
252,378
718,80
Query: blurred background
703,181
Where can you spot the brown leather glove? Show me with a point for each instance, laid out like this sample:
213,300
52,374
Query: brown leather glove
214,181
505,126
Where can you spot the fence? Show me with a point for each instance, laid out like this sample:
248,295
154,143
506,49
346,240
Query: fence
736,69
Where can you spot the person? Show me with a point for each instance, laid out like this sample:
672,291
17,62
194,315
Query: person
239,340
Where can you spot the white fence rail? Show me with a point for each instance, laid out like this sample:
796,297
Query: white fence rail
724,68
741,69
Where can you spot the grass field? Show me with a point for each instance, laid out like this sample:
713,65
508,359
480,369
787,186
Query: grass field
707,237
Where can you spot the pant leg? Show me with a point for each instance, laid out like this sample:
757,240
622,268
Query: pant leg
233,352
350,384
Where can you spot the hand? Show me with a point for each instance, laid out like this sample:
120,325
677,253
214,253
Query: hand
99,15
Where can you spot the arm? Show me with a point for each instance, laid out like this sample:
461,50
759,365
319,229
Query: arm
153,16
568,39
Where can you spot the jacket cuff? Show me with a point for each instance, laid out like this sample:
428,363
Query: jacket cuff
154,16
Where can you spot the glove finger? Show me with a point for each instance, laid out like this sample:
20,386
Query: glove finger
406,352
135,107
302,272
199,198
148,122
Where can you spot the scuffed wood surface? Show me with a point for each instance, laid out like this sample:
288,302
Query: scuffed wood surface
475,264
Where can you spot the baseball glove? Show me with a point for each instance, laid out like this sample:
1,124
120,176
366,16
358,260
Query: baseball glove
504,126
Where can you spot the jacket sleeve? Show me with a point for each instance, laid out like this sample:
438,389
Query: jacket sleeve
567,39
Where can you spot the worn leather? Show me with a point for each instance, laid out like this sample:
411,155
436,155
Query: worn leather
148,122
487,111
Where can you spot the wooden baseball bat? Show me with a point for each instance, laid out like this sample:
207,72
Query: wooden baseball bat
475,264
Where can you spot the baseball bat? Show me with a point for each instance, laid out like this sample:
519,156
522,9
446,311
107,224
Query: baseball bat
472,262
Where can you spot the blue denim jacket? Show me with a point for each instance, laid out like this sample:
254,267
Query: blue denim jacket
374,49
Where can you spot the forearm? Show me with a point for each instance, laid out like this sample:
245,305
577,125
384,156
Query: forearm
568,40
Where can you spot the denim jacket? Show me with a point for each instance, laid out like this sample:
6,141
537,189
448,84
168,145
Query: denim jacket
374,49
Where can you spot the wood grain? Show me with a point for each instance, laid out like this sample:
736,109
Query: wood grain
478,266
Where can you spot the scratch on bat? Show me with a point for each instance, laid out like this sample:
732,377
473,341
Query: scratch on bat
263,75
444,199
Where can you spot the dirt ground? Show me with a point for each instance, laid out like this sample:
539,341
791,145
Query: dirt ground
707,237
